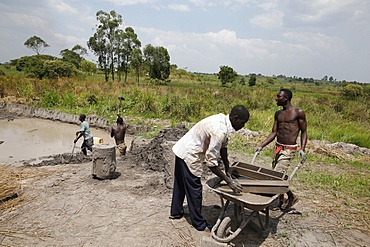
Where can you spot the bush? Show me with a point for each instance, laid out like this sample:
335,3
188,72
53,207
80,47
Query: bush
352,91
32,66
88,67
58,68
50,99
252,80
41,66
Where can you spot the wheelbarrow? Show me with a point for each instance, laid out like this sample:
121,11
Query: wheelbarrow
261,188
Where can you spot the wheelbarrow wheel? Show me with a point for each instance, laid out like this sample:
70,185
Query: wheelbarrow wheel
227,227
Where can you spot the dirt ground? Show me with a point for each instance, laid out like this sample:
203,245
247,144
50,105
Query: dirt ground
60,204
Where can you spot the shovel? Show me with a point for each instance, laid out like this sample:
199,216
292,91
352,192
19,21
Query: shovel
73,149
120,98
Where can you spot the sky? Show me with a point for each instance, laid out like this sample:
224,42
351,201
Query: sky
302,38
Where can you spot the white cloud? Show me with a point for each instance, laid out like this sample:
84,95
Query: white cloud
23,20
222,37
298,37
206,52
67,41
268,5
272,20
179,7
132,2
61,6
317,41
332,11
303,54
202,3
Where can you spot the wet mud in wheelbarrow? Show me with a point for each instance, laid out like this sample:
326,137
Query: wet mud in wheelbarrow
261,189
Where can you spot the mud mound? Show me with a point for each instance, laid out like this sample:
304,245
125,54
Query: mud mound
349,148
156,155
58,159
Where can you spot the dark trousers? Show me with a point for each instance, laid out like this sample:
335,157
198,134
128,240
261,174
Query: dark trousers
87,144
186,184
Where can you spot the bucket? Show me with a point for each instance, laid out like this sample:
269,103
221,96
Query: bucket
98,140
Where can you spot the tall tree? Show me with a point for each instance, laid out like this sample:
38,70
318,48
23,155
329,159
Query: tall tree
158,61
130,43
226,74
97,44
137,62
80,50
36,44
102,43
119,50
71,57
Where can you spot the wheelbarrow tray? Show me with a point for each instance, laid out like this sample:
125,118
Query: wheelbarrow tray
253,201
259,186
255,179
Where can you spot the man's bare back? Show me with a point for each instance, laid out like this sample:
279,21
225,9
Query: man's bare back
119,131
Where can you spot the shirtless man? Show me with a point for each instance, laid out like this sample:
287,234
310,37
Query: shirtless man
288,122
118,132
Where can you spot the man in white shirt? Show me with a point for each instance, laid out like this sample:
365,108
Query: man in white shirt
202,145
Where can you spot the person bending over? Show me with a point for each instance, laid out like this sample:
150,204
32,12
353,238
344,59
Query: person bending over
85,132
202,145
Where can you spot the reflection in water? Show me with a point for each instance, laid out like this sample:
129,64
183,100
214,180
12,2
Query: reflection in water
30,138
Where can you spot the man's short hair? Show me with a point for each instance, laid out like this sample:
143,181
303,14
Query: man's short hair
120,120
241,111
287,92
83,117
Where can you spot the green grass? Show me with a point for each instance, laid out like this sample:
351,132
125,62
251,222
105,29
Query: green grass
353,184
189,97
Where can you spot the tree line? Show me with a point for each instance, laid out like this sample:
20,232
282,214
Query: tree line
118,52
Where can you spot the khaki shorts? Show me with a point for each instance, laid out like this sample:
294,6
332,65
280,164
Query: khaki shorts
282,160
122,148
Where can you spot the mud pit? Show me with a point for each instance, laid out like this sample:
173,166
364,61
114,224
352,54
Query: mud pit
62,205
47,138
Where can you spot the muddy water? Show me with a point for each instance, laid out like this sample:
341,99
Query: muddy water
32,138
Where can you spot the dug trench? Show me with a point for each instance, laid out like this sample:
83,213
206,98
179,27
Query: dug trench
59,203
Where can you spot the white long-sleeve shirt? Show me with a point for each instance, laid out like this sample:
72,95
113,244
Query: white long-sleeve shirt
203,142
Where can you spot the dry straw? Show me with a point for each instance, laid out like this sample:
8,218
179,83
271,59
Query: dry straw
11,180
10,186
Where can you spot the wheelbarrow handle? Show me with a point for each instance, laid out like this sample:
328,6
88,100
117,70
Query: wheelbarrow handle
296,169
255,156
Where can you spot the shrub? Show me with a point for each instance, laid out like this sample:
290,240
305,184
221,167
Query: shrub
88,67
352,91
50,99
58,68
